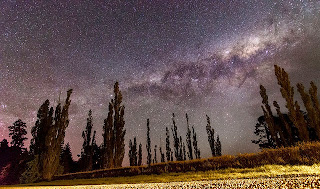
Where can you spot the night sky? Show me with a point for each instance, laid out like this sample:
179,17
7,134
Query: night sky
195,57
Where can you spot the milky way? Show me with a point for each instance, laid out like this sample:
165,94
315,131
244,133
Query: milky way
195,57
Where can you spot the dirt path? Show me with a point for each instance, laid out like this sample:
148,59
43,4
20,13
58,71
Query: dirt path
281,182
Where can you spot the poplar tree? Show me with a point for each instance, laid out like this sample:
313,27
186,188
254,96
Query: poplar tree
195,144
295,114
48,136
155,154
133,159
140,155
148,145
210,132
135,153
269,116
162,157
184,152
108,140
176,141
310,103
218,146
181,149
168,148
114,132
87,146
130,154
189,140
313,91
285,133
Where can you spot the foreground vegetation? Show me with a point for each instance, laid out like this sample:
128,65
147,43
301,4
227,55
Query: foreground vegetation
301,159
229,173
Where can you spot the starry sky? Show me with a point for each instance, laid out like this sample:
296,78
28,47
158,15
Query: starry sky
195,57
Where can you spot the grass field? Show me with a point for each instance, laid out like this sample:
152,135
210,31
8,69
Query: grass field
262,171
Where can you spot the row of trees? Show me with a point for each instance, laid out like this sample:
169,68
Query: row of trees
286,129
180,151
48,155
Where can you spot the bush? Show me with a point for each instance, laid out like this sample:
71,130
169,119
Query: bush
31,173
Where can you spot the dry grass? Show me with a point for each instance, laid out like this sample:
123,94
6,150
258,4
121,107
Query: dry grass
262,171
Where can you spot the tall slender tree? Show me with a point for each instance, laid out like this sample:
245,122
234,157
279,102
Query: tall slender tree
135,152
140,155
184,152
313,91
162,157
155,154
133,159
189,140
148,145
195,144
168,148
114,132
218,146
285,130
181,149
130,154
295,114
269,116
210,132
313,117
87,146
48,136
17,131
176,140
108,140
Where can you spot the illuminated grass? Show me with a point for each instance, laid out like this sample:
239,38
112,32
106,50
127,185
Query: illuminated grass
230,173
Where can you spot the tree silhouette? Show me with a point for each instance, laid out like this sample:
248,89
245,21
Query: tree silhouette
195,144
184,152
148,145
162,156
218,146
40,130
168,148
96,157
155,154
48,136
87,146
114,132
310,102
133,152
17,131
262,131
269,115
176,140
189,140
140,155
210,132
4,144
66,159
288,129
295,114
